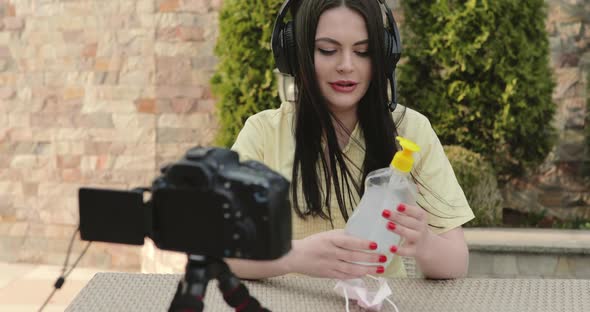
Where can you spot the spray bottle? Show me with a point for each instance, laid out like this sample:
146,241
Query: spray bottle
385,188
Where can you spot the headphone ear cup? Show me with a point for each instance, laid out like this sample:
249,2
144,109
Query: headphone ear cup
279,50
388,53
290,48
397,51
392,53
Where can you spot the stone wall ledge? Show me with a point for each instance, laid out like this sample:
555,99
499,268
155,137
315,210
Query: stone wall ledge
533,241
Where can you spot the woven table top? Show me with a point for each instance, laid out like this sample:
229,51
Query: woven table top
154,292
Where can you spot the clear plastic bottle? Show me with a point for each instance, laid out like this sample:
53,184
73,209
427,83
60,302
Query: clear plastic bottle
385,188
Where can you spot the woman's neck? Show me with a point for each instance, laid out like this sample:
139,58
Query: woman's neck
344,123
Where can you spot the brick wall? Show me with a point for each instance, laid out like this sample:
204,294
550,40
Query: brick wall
95,93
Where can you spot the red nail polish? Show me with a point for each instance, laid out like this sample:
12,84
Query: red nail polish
382,258
401,207
373,245
386,213
380,270
391,225
393,249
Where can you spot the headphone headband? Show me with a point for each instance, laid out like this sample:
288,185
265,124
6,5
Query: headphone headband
391,23
279,20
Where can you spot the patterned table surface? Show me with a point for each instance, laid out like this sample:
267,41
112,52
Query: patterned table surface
154,292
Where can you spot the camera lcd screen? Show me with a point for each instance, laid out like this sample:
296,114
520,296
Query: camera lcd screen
121,212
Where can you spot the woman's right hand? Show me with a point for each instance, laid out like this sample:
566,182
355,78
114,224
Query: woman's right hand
329,254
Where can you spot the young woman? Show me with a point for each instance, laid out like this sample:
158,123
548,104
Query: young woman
337,131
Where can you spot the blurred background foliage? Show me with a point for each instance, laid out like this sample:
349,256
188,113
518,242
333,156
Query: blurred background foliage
480,71
244,82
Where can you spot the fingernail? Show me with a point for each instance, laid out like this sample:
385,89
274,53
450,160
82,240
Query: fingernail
393,249
401,207
391,225
386,213
382,258
373,246
380,270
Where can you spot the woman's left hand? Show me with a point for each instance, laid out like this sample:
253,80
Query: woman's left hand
409,222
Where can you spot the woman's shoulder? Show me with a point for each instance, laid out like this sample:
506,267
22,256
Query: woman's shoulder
409,120
273,117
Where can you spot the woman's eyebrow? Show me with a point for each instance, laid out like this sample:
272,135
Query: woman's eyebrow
330,40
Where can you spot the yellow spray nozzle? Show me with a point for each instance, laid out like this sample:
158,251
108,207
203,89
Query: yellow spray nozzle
403,159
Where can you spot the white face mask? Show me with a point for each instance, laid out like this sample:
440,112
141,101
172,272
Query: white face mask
356,289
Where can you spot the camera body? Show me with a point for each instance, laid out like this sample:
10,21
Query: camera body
207,203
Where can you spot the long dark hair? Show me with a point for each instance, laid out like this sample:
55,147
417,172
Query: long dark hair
314,121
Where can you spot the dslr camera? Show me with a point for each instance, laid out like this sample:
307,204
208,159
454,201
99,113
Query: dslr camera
207,203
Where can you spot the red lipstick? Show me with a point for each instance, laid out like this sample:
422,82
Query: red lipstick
344,86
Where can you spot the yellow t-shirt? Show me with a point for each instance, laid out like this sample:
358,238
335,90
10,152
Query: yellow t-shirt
268,137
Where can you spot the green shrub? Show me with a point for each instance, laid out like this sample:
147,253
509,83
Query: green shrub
244,82
479,70
478,180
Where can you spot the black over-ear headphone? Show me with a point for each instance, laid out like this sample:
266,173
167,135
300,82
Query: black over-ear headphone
284,47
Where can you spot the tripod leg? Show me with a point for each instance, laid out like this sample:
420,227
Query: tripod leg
235,293
185,303
191,289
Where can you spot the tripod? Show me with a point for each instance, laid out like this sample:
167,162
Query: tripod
191,289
